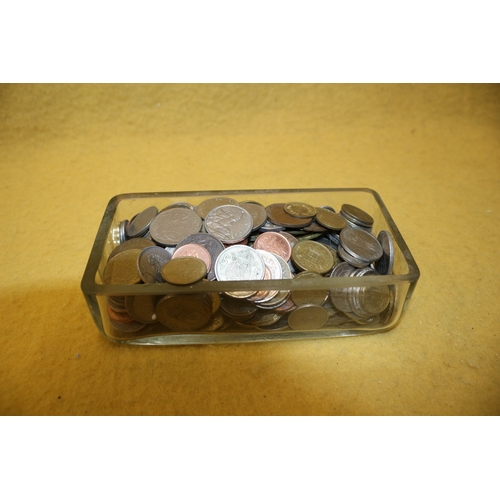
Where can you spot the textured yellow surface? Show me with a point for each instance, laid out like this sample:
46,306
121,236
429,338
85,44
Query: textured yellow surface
432,152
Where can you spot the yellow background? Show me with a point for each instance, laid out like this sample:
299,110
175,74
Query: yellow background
431,151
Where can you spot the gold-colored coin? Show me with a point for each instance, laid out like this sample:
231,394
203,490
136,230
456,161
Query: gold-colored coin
142,308
217,321
312,256
300,210
330,219
277,215
207,205
301,297
184,270
184,313
308,317
122,268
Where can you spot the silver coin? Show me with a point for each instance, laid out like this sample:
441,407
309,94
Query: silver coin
140,223
269,226
229,223
347,257
356,215
171,226
122,230
239,262
386,263
150,263
276,273
361,245
307,317
211,243
179,204
367,301
338,296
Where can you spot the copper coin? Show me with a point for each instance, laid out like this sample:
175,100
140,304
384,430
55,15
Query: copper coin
122,317
171,226
194,250
184,313
277,215
122,268
274,243
184,270
300,210
206,206
142,308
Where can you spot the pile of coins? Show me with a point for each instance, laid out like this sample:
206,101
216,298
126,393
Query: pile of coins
226,240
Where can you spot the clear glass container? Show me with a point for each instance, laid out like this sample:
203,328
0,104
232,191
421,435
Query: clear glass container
399,285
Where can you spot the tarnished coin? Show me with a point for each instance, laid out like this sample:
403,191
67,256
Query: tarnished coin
339,296
122,268
211,243
356,215
172,226
300,210
184,270
140,223
361,245
150,263
121,316
230,224
368,301
258,213
275,243
206,206
238,263
142,308
277,215
386,263
312,256
330,219
130,244
237,308
314,227
347,257
307,317
184,313
193,250
301,297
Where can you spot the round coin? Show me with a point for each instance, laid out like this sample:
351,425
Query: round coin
301,297
356,215
300,210
140,223
142,308
150,263
275,243
361,244
239,262
330,219
184,270
193,250
307,317
172,226
122,268
229,223
386,263
347,257
312,256
258,213
130,244
206,206
277,215
339,296
184,313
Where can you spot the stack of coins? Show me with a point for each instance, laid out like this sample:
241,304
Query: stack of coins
226,240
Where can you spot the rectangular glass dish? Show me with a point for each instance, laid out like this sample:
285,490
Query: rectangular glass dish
223,327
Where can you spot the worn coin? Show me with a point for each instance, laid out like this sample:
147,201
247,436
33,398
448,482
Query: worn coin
130,244
258,213
312,256
122,268
184,312
142,308
277,215
339,296
361,245
307,317
230,224
150,263
347,257
193,250
275,243
172,226
140,223
206,206
386,263
330,220
368,301
316,296
184,270
356,215
237,308
299,210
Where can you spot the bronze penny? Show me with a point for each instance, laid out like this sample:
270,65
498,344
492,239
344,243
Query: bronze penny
184,313
300,210
142,308
193,250
184,270
122,268
330,219
274,243
277,215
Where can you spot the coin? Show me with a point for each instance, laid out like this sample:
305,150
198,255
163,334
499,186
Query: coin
150,263
338,296
230,224
386,263
368,301
301,297
291,239
330,219
312,256
356,215
193,250
122,268
307,317
142,308
258,213
128,327
130,244
300,210
184,270
239,262
277,215
140,223
172,226
122,230
275,243
179,204
208,205
211,243
269,226
361,245
237,308
347,257
185,312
